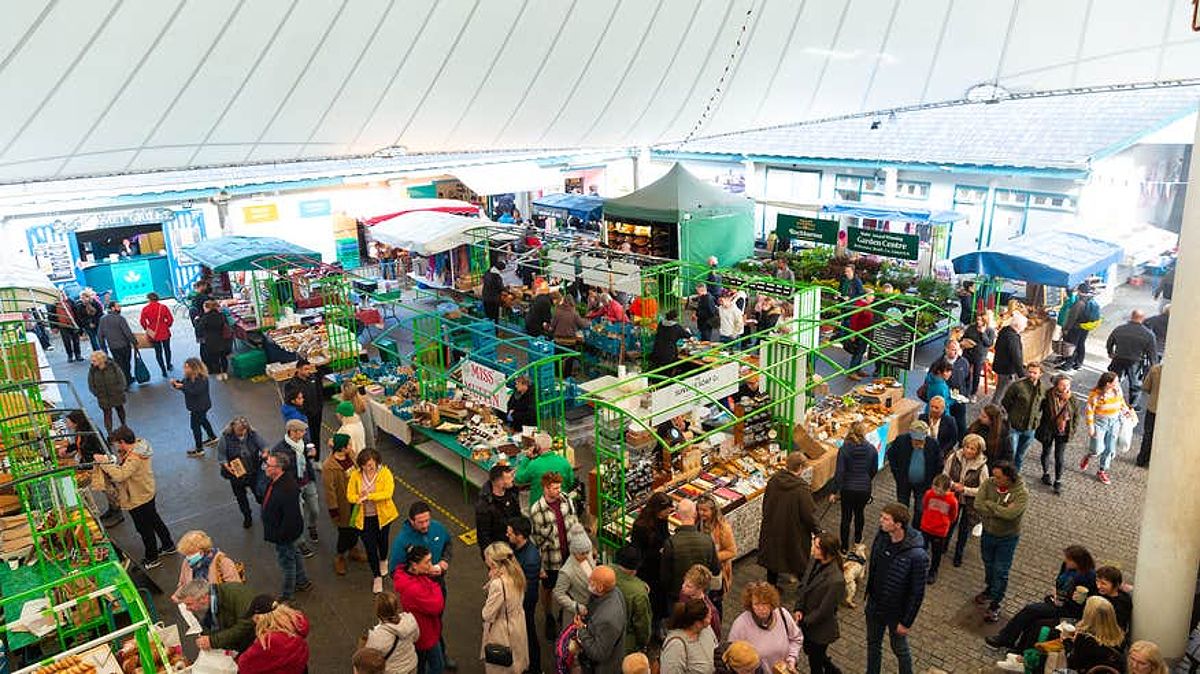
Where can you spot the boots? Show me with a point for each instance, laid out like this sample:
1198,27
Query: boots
357,554
339,564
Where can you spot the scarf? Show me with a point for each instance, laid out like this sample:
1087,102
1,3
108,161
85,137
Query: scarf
201,568
1061,409
301,458
560,525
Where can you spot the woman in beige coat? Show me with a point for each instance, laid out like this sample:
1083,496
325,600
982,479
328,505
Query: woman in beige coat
503,615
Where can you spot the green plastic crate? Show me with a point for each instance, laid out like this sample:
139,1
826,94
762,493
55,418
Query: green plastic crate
248,364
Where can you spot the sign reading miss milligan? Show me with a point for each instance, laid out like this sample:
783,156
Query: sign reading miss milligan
876,242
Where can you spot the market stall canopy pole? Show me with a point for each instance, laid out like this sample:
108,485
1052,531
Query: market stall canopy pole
246,253
1054,258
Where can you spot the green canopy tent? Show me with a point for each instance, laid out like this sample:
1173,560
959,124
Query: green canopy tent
247,253
682,217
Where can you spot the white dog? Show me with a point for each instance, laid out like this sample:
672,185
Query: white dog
854,570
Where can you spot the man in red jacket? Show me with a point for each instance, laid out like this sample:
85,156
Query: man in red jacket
156,320
862,320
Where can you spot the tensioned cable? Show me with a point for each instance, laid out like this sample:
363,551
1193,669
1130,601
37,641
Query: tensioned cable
720,87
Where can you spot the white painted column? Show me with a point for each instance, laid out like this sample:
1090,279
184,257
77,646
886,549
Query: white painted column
1169,545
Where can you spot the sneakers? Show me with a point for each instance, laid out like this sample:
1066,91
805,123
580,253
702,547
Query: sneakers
151,563
1046,479
1103,477
197,453
312,535
957,562
377,585
1083,464
339,565
383,567
247,522
305,586
996,642
210,441
982,598
306,551
169,550
993,614
1057,488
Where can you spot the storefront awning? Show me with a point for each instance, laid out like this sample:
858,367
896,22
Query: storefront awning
922,216
427,233
510,177
24,286
1054,258
402,206
245,253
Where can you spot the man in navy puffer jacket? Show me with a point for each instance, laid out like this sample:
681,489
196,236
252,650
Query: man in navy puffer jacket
895,586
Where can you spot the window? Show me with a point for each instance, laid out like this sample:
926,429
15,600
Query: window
969,195
912,189
799,187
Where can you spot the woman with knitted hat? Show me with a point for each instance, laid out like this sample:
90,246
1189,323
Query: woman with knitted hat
352,426
571,591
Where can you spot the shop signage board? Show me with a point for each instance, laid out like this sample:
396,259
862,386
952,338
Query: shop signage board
800,228
132,281
896,335
260,213
487,383
877,242
315,208
671,401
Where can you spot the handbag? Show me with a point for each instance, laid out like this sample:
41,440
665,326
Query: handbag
140,372
499,655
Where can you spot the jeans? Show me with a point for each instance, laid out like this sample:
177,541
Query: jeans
292,566
107,411
1077,336
149,526
1143,457
1104,444
375,540
853,505
1059,444
858,350
93,337
70,340
997,553
199,421
966,520
1130,372
240,487
310,506
162,354
973,385
917,491
875,627
1020,443
123,354
432,661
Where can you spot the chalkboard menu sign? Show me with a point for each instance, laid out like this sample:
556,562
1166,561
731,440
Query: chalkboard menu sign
889,336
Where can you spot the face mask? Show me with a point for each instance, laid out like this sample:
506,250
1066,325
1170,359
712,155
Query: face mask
194,558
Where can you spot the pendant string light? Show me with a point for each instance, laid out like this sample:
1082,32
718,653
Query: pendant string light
721,82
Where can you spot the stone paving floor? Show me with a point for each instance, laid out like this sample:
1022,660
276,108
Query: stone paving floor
948,635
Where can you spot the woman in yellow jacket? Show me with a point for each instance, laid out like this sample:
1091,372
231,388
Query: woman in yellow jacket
370,490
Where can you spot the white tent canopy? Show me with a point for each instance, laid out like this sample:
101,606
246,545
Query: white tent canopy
97,87
24,286
426,233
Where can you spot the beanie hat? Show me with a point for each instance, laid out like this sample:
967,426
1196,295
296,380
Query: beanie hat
345,409
741,655
340,441
578,541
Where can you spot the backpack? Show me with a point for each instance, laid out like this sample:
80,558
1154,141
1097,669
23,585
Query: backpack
239,566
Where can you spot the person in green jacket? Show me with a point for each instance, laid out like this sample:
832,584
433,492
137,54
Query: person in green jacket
1000,504
543,460
223,612
637,599
1022,401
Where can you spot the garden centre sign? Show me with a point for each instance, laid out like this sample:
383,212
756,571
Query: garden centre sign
878,242
813,230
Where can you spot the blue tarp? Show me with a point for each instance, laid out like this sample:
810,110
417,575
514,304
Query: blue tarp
245,253
923,216
1052,258
582,206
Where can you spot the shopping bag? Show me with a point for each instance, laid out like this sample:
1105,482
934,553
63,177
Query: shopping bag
1125,432
214,662
140,372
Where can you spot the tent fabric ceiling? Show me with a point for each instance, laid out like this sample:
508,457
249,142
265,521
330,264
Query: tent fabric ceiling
99,87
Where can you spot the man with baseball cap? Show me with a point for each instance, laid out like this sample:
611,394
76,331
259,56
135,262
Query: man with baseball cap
915,458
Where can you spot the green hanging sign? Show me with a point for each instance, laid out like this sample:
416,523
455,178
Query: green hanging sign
878,242
813,230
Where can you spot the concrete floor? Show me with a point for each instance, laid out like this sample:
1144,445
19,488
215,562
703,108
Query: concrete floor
192,495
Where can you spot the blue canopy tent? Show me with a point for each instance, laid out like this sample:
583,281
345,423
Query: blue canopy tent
246,253
1051,258
586,208
921,216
